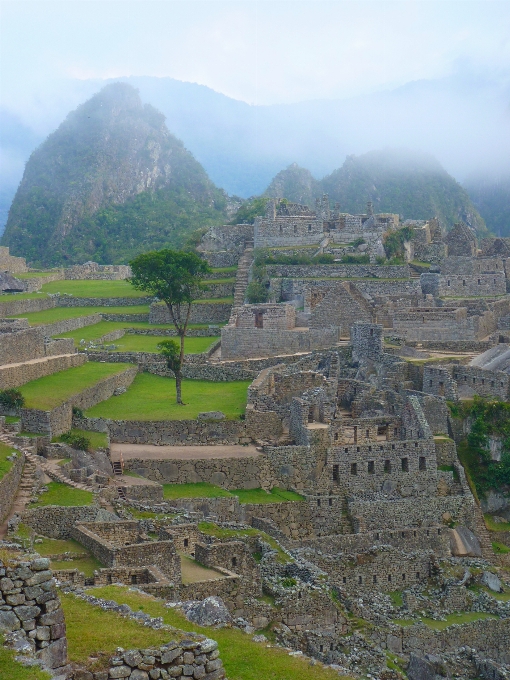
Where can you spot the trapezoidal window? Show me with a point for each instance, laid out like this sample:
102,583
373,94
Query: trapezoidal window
405,464
354,468
371,467
336,473
259,319
422,464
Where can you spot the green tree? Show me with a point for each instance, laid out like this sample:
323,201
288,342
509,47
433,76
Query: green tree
170,350
176,278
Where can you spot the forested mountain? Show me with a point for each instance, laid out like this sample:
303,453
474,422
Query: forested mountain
409,183
110,182
491,196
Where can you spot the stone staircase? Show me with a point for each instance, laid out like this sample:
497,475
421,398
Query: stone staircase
23,494
243,270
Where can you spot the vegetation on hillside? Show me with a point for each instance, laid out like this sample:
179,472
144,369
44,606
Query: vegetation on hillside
489,419
109,183
491,196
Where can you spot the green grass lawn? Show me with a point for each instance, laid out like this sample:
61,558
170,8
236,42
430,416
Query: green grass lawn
62,313
13,670
198,490
151,397
64,495
52,390
495,526
34,275
243,658
276,495
148,343
98,440
94,289
55,546
223,270
87,565
97,330
500,548
5,465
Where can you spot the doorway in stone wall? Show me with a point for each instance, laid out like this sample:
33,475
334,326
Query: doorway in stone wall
259,319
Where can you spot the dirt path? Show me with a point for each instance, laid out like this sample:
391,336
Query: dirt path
151,452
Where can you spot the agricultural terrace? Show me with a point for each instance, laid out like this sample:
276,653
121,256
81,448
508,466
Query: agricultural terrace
152,397
148,343
52,390
92,630
62,313
97,330
206,490
5,465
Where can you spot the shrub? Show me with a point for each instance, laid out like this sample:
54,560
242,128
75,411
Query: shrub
77,412
289,582
355,259
358,242
393,242
12,399
77,441
256,292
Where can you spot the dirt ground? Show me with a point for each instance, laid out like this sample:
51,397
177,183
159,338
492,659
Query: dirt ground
151,452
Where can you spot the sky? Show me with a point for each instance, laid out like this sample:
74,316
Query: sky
259,51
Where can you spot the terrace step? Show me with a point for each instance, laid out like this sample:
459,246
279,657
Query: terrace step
37,368
242,275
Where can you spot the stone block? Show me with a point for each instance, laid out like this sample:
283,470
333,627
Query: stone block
27,612
55,655
9,622
120,672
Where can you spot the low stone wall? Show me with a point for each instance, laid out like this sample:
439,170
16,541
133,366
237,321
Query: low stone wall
9,484
72,301
16,307
238,343
213,372
184,658
31,607
67,325
97,272
201,312
343,271
190,333
14,376
177,432
126,318
56,521
452,345
59,420
221,258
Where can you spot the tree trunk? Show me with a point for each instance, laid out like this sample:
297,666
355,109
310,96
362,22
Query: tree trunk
181,357
178,381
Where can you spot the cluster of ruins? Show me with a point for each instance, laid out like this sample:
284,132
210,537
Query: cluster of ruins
352,368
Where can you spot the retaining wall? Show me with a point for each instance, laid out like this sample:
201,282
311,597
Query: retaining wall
201,312
9,484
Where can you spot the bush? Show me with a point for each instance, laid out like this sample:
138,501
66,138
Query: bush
355,259
77,441
393,242
11,399
256,292
77,412
358,242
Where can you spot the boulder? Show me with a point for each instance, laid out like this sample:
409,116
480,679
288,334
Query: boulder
209,612
492,582
425,668
463,543
9,622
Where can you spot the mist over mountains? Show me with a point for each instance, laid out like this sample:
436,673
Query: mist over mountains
462,120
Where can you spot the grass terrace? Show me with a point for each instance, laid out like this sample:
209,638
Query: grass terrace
86,563
93,289
243,658
276,495
98,440
62,313
198,490
63,495
52,390
5,465
11,669
97,330
152,397
35,275
149,343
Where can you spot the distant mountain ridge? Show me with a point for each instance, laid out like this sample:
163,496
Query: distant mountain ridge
109,182
411,184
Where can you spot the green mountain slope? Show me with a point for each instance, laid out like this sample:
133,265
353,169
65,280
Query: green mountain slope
295,183
491,196
411,184
110,182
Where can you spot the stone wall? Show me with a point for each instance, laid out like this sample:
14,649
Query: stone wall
485,284
472,380
338,271
21,346
177,432
239,343
201,312
72,301
16,307
10,263
67,325
101,272
56,521
14,376
30,606
9,484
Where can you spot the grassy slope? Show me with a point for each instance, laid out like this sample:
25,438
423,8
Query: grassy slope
148,343
64,495
12,670
52,390
5,465
243,659
151,397
206,490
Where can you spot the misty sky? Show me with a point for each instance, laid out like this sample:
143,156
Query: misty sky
260,51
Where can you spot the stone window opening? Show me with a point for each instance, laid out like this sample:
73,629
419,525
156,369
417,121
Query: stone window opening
417,575
403,577
448,281
377,536
479,282
354,468
415,445
336,473
358,449
259,319
375,578
422,464
360,579
439,532
483,381
331,647
405,464
371,331
393,447
404,445
299,595
367,434
295,229
395,431
318,502
234,562
344,579
336,436
389,578
355,433
346,450
186,542
382,431
463,282
414,533
370,448
387,466
465,378
403,534
428,532
309,227
430,383
492,383
371,467
321,648
330,502
474,381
